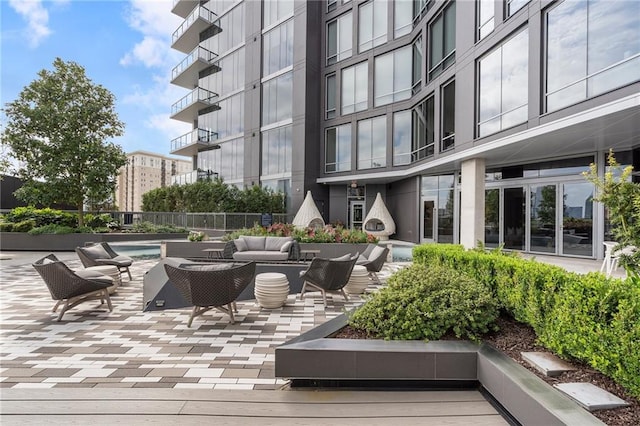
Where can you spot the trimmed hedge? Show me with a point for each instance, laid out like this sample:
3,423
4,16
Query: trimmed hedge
588,317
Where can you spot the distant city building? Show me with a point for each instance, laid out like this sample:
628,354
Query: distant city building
145,171
472,119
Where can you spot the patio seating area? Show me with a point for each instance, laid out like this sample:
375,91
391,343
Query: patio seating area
92,347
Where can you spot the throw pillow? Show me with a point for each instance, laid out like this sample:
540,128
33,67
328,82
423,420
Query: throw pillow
285,247
254,243
240,244
96,252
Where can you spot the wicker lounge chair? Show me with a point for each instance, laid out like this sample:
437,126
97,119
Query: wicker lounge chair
72,288
211,286
103,254
373,258
328,275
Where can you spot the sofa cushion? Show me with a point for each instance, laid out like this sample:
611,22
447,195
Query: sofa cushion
260,255
275,243
285,247
254,243
206,267
96,252
241,245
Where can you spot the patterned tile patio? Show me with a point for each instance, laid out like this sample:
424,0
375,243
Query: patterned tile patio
95,348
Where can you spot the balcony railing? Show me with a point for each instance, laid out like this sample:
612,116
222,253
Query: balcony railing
186,108
186,37
199,53
187,72
195,136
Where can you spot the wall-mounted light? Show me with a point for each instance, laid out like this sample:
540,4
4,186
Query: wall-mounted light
354,184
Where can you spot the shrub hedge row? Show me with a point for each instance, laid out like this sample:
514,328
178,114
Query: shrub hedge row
588,317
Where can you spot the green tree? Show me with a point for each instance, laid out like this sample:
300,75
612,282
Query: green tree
58,129
621,197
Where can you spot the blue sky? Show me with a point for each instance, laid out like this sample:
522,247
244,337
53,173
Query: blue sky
123,45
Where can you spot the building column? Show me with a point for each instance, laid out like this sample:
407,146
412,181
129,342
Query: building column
472,202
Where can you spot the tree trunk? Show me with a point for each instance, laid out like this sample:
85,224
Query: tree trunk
80,216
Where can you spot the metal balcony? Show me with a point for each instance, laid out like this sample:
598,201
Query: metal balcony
187,72
188,108
183,7
193,142
187,36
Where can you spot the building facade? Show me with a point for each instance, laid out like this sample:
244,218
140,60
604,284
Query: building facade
143,172
473,119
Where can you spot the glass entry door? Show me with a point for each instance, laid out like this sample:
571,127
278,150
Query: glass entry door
356,214
513,228
429,219
577,219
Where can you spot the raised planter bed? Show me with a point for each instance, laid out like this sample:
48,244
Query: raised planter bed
20,241
315,358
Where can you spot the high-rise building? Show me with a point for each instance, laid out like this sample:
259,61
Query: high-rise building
143,172
472,119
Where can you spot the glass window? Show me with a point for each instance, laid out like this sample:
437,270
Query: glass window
228,40
515,5
277,98
232,78
585,57
338,149
372,24
275,10
393,76
403,18
276,151
448,116
504,78
339,38
278,48
228,120
402,138
331,97
486,10
331,5
354,88
227,162
417,66
442,36
413,133
372,143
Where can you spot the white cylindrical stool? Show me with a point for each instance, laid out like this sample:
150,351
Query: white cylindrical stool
358,281
111,271
271,289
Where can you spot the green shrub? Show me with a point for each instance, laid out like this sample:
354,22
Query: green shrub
42,217
588,317
149,227
53,229
97,220
425,302
6,226
24,226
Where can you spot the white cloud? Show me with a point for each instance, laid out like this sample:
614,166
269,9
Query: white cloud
37,18
171,128
150,51
154,20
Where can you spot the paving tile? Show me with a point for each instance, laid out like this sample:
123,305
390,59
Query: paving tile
102,348
591,396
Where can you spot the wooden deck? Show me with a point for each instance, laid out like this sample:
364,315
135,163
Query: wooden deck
76,406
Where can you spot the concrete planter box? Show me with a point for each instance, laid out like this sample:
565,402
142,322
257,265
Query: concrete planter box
315,358
21,241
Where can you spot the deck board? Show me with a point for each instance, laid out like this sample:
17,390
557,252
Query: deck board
186,407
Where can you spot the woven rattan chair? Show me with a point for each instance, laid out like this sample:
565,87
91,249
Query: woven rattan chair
72,288
327,275
211,286
103,254
373,258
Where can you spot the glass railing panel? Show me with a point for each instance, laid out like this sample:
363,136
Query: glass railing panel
196,95
198,12
197,53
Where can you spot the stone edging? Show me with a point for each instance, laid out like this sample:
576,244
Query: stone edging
530,400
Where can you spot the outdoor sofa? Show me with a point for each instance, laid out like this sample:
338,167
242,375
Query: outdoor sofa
262,249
